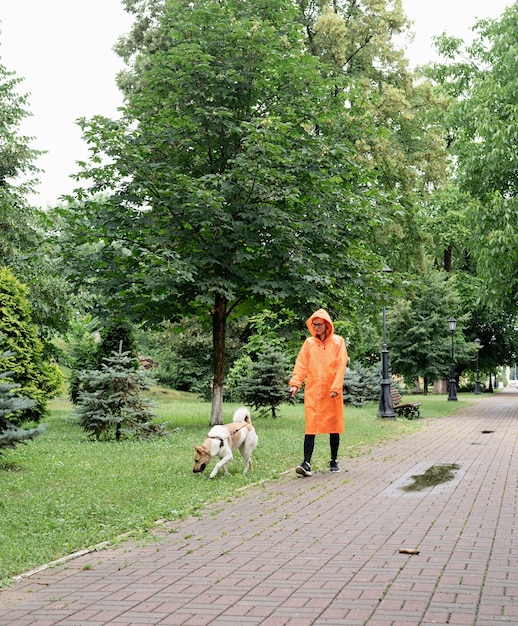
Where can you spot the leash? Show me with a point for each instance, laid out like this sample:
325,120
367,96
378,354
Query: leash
261,414
272,406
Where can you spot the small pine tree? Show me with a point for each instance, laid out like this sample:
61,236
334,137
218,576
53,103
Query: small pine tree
361,385
112,335
10,404
83,352
263,382
110,401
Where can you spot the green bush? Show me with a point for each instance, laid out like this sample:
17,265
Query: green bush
10,404
110,401
362,385
37,378
262,382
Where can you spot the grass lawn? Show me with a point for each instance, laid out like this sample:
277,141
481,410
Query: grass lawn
62,492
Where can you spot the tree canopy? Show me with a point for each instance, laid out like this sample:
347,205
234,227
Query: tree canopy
482,120
23,227
228,181
419,335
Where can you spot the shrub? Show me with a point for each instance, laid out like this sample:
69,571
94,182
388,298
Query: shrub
10,404
37,379
362,385
262,382
110,402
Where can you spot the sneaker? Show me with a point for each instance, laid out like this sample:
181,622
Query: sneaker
334,467
304,469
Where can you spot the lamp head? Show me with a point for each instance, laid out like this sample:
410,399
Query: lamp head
452,323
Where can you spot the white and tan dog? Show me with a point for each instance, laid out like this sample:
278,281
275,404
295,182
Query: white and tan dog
222,440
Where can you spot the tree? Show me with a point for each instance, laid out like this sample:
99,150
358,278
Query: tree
391,118
37,378
10,404
24,246
17,219
183,352
498,336
362,385
444,218
418,335
82,353
481,81
262,382
228,183
110,401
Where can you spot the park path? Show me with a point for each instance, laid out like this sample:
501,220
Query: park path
323,550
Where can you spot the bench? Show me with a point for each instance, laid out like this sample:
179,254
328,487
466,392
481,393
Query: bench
410,410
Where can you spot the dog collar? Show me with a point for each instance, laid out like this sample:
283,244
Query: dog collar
221,441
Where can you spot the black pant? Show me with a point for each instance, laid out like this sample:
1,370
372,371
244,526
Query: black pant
309,445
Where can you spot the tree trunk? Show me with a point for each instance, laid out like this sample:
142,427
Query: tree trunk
448,253
219,329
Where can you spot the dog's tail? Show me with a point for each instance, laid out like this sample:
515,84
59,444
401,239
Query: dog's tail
242,415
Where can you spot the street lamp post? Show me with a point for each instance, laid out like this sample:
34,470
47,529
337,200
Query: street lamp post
386,405
477,382
452,386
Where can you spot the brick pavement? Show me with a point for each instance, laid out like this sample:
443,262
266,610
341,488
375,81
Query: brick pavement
322,550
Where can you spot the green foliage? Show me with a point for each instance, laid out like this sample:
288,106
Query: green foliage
392,119
110,402
445,219
259,377
362,385
117,336
498,334
419,339
11,404
183,352
495,249
229,162
229,183
82,351
262,382
38,379
89,354
18,230
24,245
482,122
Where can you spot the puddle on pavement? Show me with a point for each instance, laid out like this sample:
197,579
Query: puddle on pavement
435,475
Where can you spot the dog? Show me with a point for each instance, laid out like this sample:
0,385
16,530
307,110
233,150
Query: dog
223,440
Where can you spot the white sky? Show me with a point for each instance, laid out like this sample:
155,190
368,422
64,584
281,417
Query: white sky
63,51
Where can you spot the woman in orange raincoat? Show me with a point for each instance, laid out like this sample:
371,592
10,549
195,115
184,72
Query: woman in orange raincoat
321,364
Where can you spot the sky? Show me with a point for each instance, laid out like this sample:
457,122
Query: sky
62,49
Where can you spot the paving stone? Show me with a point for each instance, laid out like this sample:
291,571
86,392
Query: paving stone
323,550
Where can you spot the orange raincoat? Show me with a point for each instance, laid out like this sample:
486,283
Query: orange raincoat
322,366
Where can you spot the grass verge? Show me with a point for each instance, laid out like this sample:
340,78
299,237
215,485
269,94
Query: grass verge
62,492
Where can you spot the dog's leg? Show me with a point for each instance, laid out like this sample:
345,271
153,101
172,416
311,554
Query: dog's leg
247,449
222,463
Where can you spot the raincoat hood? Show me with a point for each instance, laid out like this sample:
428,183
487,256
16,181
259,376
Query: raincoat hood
323,314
